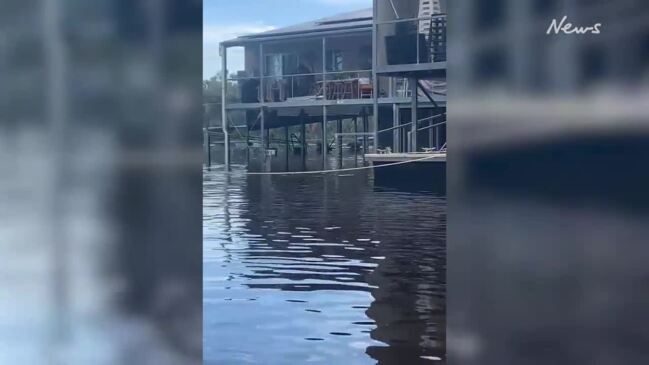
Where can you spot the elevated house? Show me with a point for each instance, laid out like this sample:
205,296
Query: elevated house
341,73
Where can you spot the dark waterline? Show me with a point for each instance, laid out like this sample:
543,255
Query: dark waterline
322,270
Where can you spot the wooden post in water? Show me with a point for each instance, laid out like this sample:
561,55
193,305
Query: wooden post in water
267,138
303,138
262,130
324,107
339,142
286,145
324,137
355,142
365,127
208,150
247,142
262,95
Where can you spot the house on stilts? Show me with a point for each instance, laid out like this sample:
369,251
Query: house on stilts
347,84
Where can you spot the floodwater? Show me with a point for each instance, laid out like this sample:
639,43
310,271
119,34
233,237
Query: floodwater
315,269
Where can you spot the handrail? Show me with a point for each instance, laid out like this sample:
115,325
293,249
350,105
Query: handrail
304,74
431,126
409,123
431,117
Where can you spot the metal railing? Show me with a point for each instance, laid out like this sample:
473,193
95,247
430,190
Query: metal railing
369,136
335,85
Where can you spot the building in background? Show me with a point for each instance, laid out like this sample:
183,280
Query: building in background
426,9
348,70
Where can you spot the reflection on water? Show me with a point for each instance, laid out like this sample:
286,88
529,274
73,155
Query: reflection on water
322,270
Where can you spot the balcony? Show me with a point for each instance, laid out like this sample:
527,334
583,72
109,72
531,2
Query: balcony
303,71
332,86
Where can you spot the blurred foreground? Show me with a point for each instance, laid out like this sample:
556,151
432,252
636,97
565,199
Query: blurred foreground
100,182
548,200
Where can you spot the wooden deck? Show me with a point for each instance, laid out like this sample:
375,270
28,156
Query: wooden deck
383,158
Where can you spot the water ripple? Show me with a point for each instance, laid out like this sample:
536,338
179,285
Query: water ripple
325,270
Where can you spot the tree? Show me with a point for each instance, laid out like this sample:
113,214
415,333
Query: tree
212,98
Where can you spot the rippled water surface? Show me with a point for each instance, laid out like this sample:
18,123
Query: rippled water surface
322,270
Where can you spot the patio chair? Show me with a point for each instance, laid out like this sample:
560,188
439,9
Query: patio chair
365,88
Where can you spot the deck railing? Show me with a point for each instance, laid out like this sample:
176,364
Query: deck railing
340,85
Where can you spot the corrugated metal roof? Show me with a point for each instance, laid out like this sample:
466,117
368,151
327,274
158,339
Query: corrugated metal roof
355,19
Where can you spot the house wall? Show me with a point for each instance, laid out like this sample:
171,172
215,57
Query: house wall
357,51
252,60
310,52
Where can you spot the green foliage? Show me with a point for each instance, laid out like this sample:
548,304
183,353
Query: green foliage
212,90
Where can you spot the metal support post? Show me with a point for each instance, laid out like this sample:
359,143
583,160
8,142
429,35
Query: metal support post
339,142
375,82
262,96
224,112
286,145
365,131
355,142
431,133
262,130
324,137
247,142
414,106
438,136
303,138
396,133
267,138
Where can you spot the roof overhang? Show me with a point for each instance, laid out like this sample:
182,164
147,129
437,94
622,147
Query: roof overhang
242,41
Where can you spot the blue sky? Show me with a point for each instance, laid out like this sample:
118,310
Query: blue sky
227,19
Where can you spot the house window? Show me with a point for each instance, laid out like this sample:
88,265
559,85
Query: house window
274,65
334,60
